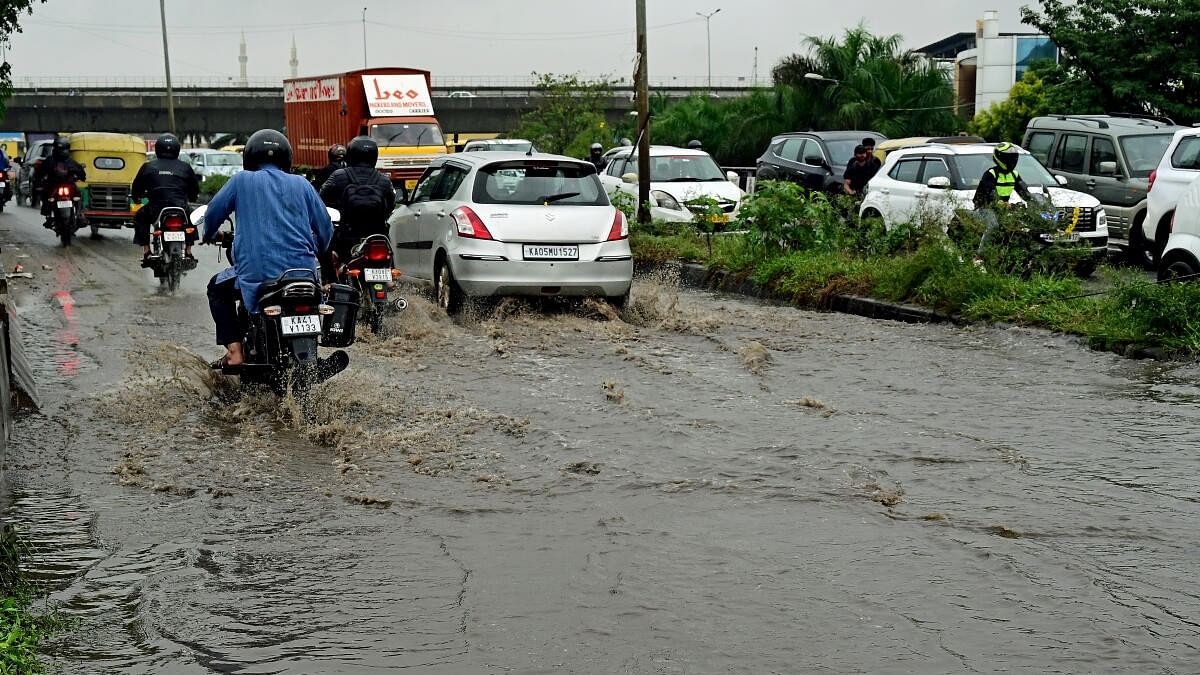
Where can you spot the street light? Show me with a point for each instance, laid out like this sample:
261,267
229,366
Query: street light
820,78
708,33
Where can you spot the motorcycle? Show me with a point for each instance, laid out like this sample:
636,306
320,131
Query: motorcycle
281,342
371,272
67,212
168,246
6,191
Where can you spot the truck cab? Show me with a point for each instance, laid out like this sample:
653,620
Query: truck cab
406,146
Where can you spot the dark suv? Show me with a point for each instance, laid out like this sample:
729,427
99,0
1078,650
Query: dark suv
815,159
1110,157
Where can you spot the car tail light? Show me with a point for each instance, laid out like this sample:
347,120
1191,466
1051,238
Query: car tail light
377,251
620,227
173,222
1153,175
469,224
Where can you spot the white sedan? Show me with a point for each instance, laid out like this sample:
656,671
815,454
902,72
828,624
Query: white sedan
508,223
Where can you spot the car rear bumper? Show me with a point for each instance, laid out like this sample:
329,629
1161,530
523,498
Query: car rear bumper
496,268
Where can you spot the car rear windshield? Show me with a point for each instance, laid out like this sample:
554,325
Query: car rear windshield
1143,153
534,182
971,168
407,135
676,168
224,159
506,147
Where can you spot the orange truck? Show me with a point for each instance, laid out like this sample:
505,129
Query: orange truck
391,105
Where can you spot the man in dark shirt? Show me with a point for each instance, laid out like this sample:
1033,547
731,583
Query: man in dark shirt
859,171
164,181
869,144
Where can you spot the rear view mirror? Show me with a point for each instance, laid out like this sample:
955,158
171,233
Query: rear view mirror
629,178
334,214
939,183
815,160
1108,168
1061,180
733,177
197,216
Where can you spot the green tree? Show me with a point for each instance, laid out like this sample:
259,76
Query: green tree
1045,89
877,86
1138,55
569,115
11,12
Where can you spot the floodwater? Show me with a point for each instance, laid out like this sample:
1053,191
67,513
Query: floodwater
700,484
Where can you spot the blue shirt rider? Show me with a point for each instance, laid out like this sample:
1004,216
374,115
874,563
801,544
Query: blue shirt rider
281,225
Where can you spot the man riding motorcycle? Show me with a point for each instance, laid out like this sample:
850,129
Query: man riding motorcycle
337,160
56,170
165,181
282,225
364,197
996,186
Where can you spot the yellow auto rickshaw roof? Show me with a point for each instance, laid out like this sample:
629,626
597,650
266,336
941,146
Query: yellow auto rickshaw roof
102,141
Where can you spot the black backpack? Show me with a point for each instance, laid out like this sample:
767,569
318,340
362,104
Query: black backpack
361,202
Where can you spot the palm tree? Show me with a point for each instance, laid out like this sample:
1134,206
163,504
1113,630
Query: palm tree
876,85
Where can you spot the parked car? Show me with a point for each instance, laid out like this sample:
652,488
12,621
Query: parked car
1181,253
35,153
1109,157
938,181
815,159
460,94
213,162
506,223
1176,172
677,176
499,145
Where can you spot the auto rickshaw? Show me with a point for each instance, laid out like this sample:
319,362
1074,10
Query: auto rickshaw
112,162
883,148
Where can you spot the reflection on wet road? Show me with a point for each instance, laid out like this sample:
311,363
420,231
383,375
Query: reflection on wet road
697,485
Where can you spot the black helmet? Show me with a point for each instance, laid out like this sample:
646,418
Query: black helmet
61,147
363,151
337,154
166,147
695,145
267,146
1005,155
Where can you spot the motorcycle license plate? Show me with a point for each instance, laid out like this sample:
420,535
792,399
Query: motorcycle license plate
3,185
64,204
301,325
376,274
174,236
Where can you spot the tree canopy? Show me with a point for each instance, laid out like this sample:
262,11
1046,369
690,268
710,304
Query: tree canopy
11,12
569,115
1045,89
1136,55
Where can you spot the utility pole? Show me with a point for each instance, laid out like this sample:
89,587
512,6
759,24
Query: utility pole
643,98
364,37
755,66
162,11
708,33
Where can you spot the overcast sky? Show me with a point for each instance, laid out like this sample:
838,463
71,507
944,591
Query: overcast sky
502,38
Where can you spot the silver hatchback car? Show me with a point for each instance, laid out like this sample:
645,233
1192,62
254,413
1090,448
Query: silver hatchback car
508,223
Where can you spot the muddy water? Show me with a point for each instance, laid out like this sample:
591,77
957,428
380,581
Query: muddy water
698,484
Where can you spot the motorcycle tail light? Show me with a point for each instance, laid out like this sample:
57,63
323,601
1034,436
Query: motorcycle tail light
173,223
377,251
302,309
273,310
64,191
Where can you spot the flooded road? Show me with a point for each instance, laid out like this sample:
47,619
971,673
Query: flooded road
699,485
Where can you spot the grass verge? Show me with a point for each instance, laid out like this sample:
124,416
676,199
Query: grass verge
21,628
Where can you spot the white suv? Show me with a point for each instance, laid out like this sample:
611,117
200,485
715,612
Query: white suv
1181,255
1177,170
937,181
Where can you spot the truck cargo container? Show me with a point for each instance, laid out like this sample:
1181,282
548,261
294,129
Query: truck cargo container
391,105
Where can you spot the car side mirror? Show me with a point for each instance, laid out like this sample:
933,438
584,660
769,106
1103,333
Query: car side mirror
334,214
1060,179
939,183
1108,168
815,160
629,178
732,177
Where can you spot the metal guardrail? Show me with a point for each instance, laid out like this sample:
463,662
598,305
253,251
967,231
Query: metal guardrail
446,83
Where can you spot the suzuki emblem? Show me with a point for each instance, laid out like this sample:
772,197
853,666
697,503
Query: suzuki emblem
550,216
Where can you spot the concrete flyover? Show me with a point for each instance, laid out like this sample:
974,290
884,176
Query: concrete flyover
215,110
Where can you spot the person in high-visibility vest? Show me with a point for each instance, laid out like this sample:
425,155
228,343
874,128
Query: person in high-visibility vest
995,188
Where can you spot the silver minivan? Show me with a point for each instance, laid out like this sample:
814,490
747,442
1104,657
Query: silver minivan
1109,157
